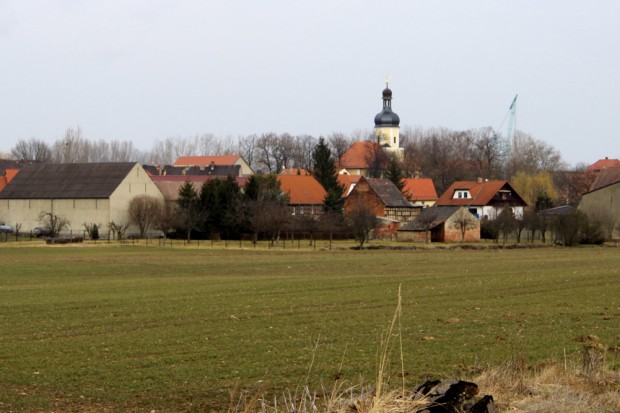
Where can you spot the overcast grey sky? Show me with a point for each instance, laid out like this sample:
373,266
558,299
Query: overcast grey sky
146,70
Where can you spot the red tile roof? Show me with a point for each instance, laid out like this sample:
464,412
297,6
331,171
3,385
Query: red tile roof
481,193
604,164
9,174
358,154
348,182
295,171
419,189
206,160
302,189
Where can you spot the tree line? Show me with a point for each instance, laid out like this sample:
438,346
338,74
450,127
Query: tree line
441,154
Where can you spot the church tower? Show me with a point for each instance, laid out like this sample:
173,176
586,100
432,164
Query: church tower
387,125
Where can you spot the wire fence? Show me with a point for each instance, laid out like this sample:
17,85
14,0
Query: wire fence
290,241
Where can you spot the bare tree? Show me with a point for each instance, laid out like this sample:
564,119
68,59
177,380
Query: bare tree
117,230
32,150
99,151
166,217
284,152
302,152
122,151
73,148
338,143
377,160
464,221
53,223
362,220
531,156
207,144
142,212
247,149
487,151
266,152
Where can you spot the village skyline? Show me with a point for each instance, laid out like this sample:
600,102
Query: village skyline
147,71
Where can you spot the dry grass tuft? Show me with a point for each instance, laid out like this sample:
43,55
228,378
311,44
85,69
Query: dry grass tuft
552,389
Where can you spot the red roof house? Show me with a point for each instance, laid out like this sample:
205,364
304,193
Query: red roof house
420,191
221,160
604,164
485,199
306,194
358,159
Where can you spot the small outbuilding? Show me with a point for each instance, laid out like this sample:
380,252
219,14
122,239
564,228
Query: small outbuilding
441,224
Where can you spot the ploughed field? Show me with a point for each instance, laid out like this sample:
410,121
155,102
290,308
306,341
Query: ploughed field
184,329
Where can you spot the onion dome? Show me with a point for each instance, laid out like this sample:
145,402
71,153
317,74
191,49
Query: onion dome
387,118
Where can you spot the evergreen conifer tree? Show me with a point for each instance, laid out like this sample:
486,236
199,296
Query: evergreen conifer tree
325,172
395,173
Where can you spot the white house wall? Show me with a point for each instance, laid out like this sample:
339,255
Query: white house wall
77,211
604,204
137,182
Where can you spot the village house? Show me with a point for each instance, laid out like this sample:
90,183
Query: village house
441,224
383,198
306,194
420,191
361,159
211,170
90,193
214,161
484,199
601,202
603,164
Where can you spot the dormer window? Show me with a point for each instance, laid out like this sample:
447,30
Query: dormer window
461,194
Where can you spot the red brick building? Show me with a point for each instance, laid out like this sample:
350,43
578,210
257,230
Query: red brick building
383,198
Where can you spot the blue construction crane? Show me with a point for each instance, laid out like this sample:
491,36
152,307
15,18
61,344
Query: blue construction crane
511,115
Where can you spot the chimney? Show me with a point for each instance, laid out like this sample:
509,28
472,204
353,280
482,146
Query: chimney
480,180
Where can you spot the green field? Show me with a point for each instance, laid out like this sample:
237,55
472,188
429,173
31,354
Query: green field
130,328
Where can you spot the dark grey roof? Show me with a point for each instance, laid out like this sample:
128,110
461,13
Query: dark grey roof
606,177
388,193
561,210
387,118
438,215
77,180
11,164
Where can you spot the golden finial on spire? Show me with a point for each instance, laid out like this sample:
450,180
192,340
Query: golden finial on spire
388,79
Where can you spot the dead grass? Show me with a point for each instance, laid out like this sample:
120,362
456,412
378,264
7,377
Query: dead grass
552,390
